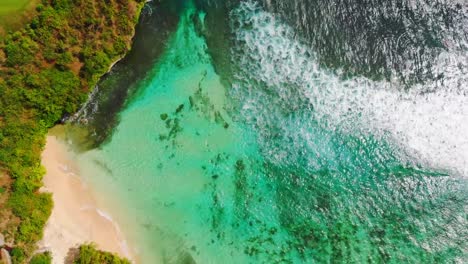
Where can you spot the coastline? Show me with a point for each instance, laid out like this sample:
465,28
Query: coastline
76,218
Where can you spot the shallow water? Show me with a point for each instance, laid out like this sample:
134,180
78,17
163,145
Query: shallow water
271,157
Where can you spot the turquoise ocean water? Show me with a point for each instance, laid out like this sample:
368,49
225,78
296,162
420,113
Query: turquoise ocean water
288,163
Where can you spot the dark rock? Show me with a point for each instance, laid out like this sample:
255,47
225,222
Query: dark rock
164,116
180,108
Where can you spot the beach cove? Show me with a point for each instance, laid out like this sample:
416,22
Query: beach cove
247,150
77,218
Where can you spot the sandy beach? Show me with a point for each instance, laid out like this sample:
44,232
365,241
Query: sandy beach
75,218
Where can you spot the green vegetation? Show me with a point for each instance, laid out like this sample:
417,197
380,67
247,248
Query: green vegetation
88,254
10,6
17,255
14,12
43,258
46,71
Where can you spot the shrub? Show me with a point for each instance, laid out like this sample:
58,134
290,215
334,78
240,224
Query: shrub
17,255
88,254
43,258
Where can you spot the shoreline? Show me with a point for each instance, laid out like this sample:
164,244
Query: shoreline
76,217
74,202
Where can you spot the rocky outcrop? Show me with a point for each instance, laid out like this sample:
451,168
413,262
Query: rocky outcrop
5,256
2,240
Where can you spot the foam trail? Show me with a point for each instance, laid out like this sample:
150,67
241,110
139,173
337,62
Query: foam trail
123,243
105,215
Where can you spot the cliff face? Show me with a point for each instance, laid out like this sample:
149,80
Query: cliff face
99,116
47,70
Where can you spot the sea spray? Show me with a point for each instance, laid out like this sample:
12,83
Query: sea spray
378,39
430,120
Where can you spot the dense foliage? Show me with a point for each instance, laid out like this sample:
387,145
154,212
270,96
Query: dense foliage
46,71
88,254
43,258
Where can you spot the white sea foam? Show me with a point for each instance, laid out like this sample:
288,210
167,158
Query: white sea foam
64,167
105,215
430,121
86,208
122,243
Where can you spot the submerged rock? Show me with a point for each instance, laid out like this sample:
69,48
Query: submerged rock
180,108
164,117
186,258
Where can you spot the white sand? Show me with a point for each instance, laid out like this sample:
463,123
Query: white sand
75,217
